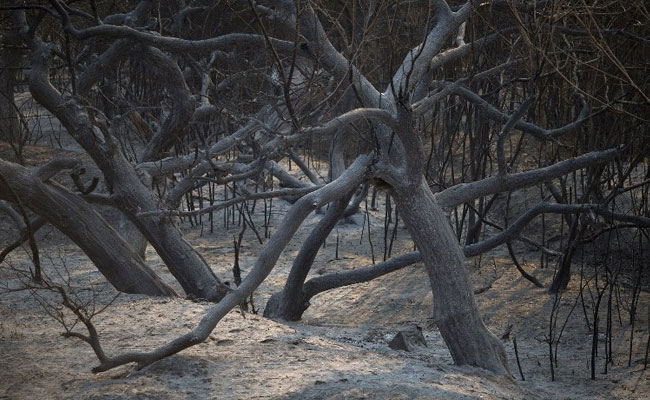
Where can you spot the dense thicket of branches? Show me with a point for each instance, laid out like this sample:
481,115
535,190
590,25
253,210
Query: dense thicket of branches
449,107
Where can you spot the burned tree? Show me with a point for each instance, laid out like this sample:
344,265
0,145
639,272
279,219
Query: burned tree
402,97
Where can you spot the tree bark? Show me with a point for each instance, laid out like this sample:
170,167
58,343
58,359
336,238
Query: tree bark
131,234
291,303
455,311
112,256
183,261
337,280
323,283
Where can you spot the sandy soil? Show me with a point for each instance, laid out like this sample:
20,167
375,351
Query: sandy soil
339,350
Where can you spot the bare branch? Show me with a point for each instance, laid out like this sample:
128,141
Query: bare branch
175,164
303,167
465,49
377,114
513,230
466,192
418,59
183,106
286,179
536,131
323,283
177,45
115,52
332,60
424,105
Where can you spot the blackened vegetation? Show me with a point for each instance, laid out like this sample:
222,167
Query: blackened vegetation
481,124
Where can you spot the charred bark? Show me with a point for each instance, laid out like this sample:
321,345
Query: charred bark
455,311
112,256
320,284
291,302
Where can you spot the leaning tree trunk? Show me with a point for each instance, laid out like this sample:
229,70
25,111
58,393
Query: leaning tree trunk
455,311
112,256
291,303
183,261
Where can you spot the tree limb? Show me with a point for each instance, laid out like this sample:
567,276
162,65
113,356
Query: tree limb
465,192
513,230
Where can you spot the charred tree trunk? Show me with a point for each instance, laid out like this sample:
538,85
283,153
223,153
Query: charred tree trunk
112,256
132,235
563,276
291,303
455,311
183,261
